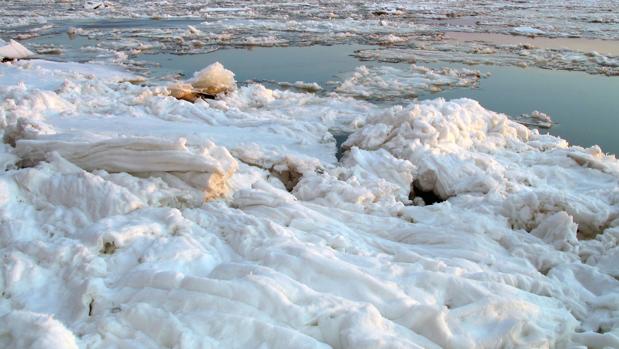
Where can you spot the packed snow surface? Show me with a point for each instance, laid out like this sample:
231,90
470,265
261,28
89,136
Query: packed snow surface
133,219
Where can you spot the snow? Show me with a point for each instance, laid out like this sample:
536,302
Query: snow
214,79
24,329
211,81
480,52
385,82
131,218
14,50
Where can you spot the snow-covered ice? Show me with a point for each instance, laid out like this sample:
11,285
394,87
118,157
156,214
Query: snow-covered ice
13,50
133,219
384,82
210,81
478,53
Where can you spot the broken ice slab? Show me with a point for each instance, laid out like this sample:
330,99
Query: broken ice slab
208,82
535,119
207,170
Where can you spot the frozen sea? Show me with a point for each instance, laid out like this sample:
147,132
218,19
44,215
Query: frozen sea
430,174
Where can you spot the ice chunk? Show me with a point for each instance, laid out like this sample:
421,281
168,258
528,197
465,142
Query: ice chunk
126,155
213,80
210,81
14,50
559,230
7,158
301,85
63,185
207,169
527,31
535,119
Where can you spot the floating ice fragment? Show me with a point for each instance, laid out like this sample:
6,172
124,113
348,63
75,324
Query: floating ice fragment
535,119
301,85
386,82
193,30
95,5
527,31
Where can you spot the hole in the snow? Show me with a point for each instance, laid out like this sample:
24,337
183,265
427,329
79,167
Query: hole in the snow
339,140
428,197
91,307
108,247
289,177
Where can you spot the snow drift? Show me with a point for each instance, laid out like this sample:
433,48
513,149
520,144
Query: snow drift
105,242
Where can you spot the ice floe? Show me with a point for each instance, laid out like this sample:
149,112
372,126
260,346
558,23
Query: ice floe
385,82
478,53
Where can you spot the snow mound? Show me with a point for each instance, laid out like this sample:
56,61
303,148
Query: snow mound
14,50
105,228
28,330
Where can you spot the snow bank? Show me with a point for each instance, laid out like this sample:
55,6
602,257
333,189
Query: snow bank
107,240
23,329
14,50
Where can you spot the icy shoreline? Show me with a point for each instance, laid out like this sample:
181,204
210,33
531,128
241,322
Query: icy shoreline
131,218
123,31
